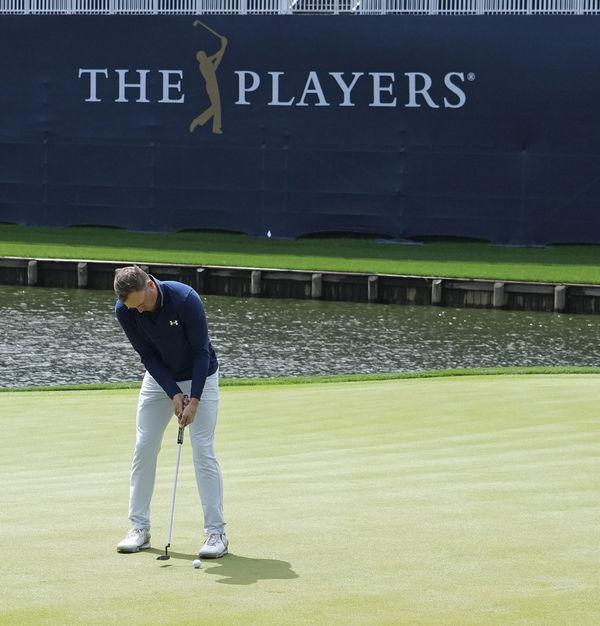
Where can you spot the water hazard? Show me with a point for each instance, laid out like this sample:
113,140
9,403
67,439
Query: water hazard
52,337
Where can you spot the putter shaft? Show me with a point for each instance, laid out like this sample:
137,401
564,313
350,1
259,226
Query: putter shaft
165,556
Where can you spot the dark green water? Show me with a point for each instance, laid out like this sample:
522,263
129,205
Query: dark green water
52,336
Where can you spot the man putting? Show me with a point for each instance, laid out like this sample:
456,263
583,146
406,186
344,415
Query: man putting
166,325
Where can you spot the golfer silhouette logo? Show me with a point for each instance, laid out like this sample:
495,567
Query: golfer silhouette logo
208,66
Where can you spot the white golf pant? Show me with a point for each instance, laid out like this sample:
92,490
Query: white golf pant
155,410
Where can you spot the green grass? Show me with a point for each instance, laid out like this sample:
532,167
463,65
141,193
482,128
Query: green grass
338,378
570,264
464,500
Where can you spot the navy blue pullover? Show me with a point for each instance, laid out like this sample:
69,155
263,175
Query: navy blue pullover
172,340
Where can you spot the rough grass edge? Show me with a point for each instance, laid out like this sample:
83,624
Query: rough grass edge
341,378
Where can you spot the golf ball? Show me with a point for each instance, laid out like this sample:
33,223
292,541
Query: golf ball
197,563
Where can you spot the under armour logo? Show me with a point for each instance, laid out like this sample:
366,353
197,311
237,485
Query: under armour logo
174,322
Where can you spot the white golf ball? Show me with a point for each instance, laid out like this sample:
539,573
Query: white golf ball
197,563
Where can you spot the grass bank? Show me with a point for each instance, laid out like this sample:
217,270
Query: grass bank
341,378
442,501
563,264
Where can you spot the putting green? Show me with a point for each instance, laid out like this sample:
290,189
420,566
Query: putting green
467,500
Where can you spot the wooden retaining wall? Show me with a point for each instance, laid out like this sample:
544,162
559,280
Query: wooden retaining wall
352,287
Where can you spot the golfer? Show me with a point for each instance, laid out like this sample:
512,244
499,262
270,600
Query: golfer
166,325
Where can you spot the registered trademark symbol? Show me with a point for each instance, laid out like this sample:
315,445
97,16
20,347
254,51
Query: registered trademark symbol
471,76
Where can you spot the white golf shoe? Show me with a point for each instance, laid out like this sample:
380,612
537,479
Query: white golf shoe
137,539
214,546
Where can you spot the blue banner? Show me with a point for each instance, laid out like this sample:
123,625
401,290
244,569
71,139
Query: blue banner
398,126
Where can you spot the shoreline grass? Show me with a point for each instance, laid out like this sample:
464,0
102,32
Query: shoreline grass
341,378
436,258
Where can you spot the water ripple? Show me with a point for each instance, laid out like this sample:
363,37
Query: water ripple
53,336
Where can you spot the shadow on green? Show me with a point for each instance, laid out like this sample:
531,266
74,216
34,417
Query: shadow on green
238,570
242,570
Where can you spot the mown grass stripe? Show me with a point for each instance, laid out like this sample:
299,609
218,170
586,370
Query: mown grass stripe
440,501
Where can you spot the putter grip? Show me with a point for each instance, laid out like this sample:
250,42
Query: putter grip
186,401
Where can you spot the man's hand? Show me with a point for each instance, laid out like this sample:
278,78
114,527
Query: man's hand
178,404
185,412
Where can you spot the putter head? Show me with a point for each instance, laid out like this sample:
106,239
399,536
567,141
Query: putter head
165,556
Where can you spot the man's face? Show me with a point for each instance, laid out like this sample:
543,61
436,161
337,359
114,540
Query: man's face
144,300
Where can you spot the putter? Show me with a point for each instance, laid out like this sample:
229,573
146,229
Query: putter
165,556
